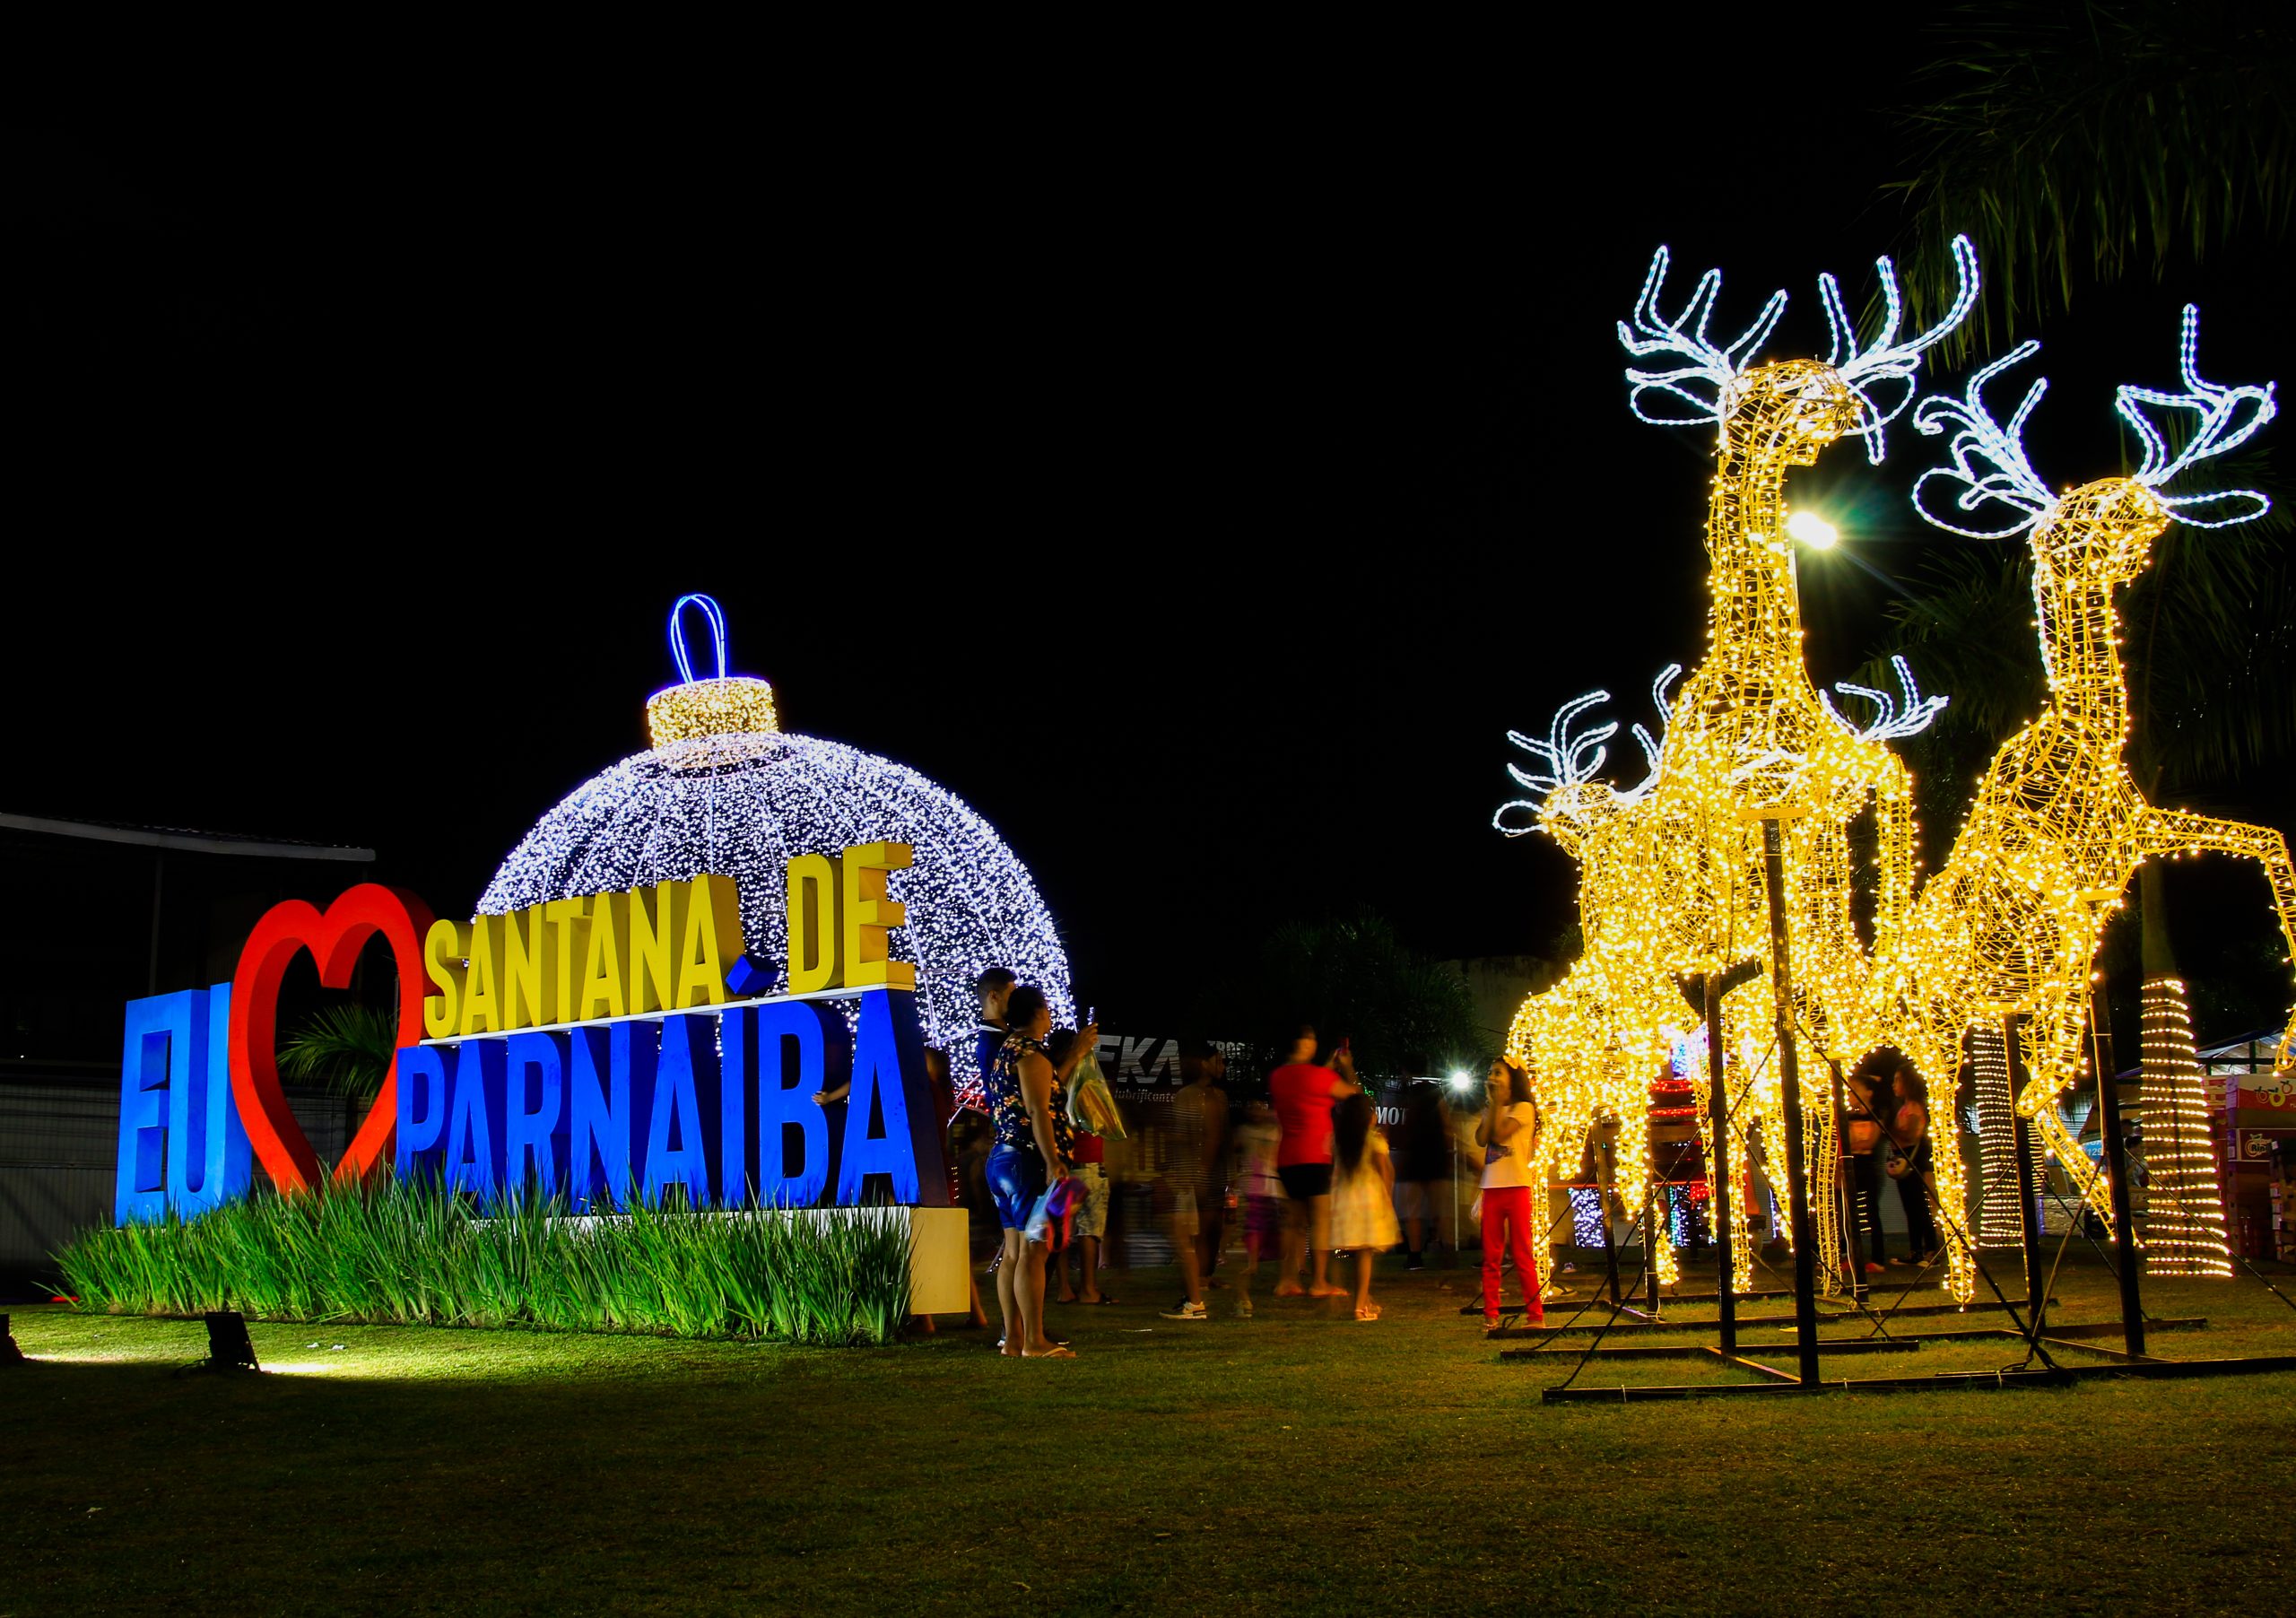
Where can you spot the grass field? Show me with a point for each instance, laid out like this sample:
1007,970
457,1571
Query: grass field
1298,1461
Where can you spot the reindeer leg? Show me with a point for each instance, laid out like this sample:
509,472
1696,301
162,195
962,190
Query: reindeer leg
1953,1201
1633,1184
2052,1061
1823,1171
1895,856
2176,832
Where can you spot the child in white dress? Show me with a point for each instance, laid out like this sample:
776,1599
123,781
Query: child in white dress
1362,1193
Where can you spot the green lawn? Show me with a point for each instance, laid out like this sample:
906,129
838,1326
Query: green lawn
1299,1461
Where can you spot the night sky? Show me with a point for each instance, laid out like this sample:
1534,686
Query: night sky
1198,483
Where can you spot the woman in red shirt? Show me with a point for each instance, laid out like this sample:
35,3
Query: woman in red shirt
1303,1094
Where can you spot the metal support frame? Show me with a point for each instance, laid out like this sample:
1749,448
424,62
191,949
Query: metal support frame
2029,1207
1706,991
1789,1082
2115,1157
1746,1321
1605,1183
2159,1370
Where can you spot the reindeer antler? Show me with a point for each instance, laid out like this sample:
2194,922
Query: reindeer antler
1980,443
2223,428
1889,725
1886,358
1652,746
1685,337
1564,756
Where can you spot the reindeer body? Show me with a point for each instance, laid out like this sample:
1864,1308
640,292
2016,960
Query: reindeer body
1671,877
1671,873
2011,925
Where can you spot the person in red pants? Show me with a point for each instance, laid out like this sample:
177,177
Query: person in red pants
1508,1135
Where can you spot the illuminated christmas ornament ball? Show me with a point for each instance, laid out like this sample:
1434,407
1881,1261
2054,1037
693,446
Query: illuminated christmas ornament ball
724,789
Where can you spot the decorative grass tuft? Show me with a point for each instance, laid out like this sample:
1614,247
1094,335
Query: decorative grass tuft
401,1253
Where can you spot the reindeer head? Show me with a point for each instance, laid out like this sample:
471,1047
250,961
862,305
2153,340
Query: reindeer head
1789,409
2101,531
1566,799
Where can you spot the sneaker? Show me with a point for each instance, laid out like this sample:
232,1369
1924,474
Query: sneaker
1414,1263
1243,1309
1187,1312
1534,1318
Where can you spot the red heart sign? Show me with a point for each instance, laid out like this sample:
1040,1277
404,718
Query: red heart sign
335,941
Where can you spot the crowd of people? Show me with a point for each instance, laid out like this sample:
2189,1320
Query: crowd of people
1308,1168
1311,1168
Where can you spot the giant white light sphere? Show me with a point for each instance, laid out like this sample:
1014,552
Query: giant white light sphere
726,791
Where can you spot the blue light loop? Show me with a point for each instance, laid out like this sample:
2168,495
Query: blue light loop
716,619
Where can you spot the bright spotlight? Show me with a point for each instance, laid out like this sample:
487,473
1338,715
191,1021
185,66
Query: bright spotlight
1813,530
1462,1080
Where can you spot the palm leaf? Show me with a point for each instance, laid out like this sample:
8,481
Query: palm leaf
2093,140
347,1049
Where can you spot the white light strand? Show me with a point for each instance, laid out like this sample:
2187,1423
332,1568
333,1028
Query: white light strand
1990,465
1889,725
2000,1222
1988,460
1565,756
2184,1224
1887,359
1684,337
2223,427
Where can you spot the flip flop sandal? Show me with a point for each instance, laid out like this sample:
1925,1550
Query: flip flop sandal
1059,1351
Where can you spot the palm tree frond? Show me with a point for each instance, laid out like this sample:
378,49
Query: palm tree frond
2093,140
347,1049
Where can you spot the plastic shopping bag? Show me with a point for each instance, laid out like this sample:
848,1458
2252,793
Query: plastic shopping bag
1091,1104
1051,1215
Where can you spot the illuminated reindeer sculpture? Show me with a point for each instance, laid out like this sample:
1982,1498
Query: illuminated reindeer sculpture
2010,925
1671,872
1586,1068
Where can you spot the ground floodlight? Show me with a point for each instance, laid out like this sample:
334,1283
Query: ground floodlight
228,1348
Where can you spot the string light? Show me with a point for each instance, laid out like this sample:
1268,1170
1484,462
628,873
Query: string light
711,707
741,802
1671,872
1889,725
2184,1217
2010,925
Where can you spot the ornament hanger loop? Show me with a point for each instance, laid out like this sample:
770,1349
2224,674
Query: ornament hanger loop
716,619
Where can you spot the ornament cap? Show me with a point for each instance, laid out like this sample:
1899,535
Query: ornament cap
725,705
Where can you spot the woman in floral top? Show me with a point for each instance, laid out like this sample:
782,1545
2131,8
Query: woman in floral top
1030,1111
